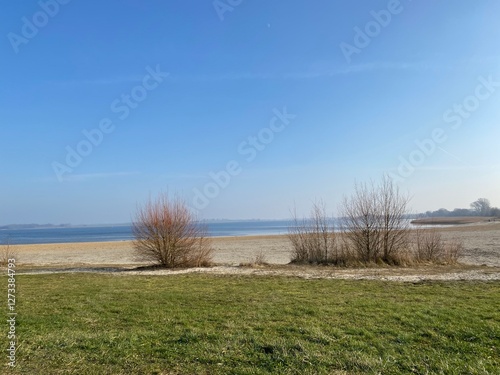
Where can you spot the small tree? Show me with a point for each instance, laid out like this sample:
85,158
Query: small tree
394,226
166,233
313,239
481,207
360,223
374,221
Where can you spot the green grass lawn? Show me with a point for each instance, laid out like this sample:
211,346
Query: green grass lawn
206,324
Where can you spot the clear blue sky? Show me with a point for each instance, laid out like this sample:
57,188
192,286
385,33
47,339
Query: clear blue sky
352,105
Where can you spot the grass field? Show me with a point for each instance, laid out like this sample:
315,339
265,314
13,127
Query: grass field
205,324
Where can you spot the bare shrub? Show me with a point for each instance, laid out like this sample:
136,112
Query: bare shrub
166,233
6,253
452,251
392,214
374,221
313,239
429,245
359,222
260,258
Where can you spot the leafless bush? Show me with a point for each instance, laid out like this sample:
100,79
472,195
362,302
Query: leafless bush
313,239
6,253
260,258
429,245
166,233
452,252
393,222
374,221
359,222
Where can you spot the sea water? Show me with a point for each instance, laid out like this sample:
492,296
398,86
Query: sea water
105,233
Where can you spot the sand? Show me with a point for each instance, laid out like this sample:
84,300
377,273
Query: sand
228,251
481,257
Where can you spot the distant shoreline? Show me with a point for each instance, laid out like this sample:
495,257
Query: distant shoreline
454,220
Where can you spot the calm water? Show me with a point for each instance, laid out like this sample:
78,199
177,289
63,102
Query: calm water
124,232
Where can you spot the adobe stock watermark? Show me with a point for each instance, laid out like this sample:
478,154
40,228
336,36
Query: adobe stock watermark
454,117
31,26
364,36
122,107
249,150
12,313
223,6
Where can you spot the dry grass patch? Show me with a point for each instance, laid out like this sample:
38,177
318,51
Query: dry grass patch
6,252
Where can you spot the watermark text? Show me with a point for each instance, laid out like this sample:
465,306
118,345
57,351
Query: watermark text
121,107
11,315
31,26
249,150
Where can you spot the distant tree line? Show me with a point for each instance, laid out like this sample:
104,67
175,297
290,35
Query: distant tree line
481,207
33,226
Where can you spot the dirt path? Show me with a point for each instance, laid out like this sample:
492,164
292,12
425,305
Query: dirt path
414,275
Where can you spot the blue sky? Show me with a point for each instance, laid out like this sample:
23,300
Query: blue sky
245,110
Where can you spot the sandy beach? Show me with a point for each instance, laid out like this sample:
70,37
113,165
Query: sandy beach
480,260
228,251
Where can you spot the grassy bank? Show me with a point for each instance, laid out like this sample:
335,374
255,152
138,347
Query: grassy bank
202,324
